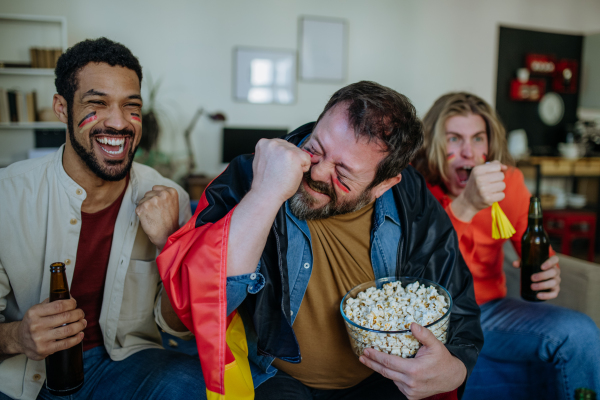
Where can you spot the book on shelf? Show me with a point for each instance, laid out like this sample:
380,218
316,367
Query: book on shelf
19,106
4,111
44,58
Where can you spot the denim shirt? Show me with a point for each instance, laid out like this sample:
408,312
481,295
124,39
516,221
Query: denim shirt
385,235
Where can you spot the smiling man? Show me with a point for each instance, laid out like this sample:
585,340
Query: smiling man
301,222
91,207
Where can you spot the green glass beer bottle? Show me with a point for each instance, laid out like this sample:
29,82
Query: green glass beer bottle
585,394
535,249
64,369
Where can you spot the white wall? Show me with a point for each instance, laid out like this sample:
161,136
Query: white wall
420,48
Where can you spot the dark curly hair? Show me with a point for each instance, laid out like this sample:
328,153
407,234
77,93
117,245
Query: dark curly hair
101,50
380,113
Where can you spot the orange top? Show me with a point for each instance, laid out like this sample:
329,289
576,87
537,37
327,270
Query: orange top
483,254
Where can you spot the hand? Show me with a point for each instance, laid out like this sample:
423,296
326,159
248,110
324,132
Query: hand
433,370
549,278
41,332
484,187
159,214
278,167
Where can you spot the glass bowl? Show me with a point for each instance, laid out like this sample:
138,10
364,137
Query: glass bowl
401,343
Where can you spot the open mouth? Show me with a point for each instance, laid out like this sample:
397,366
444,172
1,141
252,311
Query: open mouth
112,146
464,173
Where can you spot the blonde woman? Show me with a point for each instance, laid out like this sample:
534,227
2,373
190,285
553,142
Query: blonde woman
466,163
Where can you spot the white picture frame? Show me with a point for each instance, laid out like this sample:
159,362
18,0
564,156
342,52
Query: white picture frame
264,76
323,44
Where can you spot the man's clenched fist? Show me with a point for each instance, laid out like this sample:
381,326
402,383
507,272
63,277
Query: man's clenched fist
159,214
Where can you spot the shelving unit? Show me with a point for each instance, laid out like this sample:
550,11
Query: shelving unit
26,31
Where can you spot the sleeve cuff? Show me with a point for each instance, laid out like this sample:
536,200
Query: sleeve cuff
254,281
186,335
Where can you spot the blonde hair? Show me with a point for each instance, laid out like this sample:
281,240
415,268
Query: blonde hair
431,160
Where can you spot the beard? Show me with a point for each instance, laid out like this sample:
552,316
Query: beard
301,203
112,170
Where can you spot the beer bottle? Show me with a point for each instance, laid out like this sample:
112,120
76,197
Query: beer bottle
535,249
64,369
585,394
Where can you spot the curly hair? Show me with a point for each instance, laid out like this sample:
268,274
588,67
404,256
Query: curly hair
380,113
431,159
101,50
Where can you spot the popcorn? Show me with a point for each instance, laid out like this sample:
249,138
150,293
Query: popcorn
394,308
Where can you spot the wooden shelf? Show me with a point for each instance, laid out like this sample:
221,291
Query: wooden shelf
27,71
32,125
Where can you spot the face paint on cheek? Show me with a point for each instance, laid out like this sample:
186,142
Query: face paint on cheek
88,121
308,152
483,158
339,185
450,156
135,118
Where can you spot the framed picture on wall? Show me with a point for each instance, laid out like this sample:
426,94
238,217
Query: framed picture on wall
323,44
264,76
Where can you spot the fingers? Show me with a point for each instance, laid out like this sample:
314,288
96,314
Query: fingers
545,285
549,263
65,344
68,330
384,364
552,294
545,275
67,317
424,335
516,263
45,308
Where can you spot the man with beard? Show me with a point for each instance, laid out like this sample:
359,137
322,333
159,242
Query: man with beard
301,222
105,217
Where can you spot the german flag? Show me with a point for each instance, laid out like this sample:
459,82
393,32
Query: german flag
193,268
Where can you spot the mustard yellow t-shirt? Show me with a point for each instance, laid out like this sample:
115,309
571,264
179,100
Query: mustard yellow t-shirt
341,248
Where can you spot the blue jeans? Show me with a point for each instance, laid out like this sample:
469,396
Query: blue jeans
147,374
519,331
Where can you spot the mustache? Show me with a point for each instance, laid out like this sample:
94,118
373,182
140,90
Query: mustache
112,132
320,187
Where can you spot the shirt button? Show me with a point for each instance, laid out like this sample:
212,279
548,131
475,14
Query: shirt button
291,312
67,261
306,265
73,221
79,191
37,377
253,276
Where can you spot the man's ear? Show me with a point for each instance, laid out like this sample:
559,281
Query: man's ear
384,186
59,105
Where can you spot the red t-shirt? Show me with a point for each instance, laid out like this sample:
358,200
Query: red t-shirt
91,264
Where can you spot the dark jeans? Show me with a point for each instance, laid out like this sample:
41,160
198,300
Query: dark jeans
284,387
148,374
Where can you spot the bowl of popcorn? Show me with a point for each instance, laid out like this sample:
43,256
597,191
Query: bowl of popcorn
378,314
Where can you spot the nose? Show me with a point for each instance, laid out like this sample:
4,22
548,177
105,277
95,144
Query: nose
466,150
320,171
116,119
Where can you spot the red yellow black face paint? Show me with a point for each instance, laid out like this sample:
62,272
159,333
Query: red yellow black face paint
136,119
88,121
340,185
450,156
483,158
308,152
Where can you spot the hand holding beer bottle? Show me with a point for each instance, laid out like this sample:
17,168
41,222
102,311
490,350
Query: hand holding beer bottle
540,275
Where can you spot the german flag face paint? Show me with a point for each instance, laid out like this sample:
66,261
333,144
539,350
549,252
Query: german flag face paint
484,157
88,121
135,118
339,184
450,157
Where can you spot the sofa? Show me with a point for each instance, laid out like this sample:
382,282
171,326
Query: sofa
580,291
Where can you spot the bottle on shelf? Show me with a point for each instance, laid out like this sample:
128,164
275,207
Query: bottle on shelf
585,394
535,249
64,369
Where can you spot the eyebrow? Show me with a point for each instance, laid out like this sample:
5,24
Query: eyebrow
341,164
460,134
93,92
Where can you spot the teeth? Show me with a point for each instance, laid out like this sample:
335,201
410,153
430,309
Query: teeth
121,147
111,141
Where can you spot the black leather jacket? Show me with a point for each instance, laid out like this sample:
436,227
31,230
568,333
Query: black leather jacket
428,248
